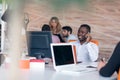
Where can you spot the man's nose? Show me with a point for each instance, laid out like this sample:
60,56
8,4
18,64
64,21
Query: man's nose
79,35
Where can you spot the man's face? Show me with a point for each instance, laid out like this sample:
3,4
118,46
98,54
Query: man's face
82,34
65,33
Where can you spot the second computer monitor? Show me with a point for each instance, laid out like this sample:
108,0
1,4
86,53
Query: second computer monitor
39,44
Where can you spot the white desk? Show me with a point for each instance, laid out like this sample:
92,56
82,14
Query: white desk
50,74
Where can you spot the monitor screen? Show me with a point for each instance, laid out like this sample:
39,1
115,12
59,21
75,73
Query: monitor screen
39,44
63,54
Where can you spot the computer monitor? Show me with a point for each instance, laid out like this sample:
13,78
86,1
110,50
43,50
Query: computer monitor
39,44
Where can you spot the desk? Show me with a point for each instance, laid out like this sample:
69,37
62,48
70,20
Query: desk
50,74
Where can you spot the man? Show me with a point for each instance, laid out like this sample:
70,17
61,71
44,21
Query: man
67,34
86,51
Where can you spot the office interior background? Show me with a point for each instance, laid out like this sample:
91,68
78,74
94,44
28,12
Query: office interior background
101,15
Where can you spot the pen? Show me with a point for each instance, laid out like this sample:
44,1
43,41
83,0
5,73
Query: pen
103,59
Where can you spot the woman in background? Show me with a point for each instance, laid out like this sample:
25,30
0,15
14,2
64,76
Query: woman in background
56,27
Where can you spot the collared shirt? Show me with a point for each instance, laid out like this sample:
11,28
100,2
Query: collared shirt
71,37
86,52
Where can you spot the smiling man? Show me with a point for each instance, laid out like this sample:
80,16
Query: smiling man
86,51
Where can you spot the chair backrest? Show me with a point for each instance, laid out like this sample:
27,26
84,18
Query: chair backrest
72,40
74,49
95,41
118,78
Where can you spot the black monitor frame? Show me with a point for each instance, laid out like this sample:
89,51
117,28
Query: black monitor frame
38,43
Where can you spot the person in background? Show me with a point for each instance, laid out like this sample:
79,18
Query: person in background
67,34
86,51
113,64
55,38
56,27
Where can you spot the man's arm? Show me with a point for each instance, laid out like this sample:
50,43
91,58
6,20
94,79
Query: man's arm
93,51
92,48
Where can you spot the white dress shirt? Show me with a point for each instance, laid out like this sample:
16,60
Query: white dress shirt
86,52
71,37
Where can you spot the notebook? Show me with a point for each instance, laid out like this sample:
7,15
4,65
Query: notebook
64,58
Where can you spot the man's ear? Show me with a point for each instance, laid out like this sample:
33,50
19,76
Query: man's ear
69,32
88,32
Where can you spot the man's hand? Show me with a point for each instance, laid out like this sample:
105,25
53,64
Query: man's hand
101,64
89,37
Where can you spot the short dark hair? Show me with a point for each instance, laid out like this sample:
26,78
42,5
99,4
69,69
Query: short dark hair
86,26
68,28
46,27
